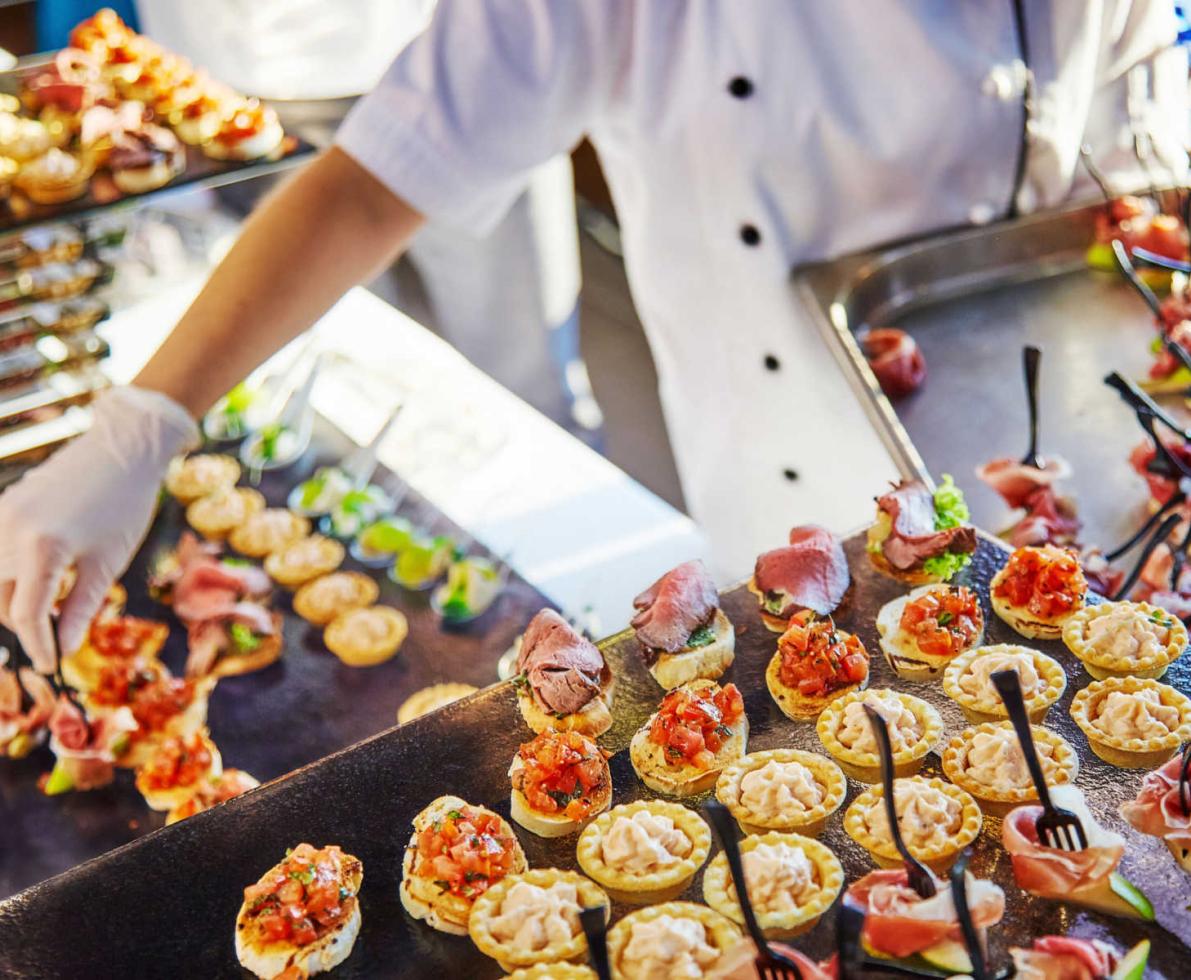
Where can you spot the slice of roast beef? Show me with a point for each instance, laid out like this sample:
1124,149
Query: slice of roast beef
913,538
562,667
811,572
675,606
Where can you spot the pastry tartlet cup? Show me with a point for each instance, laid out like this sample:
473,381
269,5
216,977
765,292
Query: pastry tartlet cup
939,854
267,531
353,637
214,515
432,698
1181,854
902,654
1024,622
191,477
798,706
1101,665
809,823
655,886
553,971
998,802
865,766
721,933
305,559
720,893
323,599
1131,752
979,708
507,953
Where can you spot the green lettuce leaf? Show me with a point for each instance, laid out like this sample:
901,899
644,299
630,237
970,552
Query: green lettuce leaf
950,508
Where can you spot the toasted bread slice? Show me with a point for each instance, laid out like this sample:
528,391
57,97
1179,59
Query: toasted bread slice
672,670
901,651
245,662
593,720
912,576
798,706
1024,622
167,799
556,824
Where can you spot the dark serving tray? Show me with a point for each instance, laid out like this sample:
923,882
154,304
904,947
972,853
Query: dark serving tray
273,721
164,906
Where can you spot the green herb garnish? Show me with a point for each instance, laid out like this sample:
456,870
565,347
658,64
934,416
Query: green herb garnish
703,636
454,815
945,618
244,639
774,603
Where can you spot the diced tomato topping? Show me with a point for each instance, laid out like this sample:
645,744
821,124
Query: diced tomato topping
177,762
817,658
1047,581
154,704
561,773
943,622
692,725
465,853
304,897
122,636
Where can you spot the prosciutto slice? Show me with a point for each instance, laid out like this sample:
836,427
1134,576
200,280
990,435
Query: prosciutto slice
1016,482
896,360
208,638
562,667
205,587
1156,810
84,749
1049,519
912,537
811,572
1156,471
1065,958
675,606
900,923
1054,873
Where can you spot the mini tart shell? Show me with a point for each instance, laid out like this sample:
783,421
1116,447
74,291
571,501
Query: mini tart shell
798,706
267,531
902,654
1101,665
322,599
431,699
938,856
721,933
656,886
994,802
720,893
305,559
553,971
1131,753
510,956
214,515
342,639
1022,621
866,766
809,823
979,709
186,481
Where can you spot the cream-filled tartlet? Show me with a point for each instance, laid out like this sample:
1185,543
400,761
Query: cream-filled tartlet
846,732
644,852
675,939
192,477
533,917
1125,639
366,637
968,681
268,531
214,515
303,560
1133,722
987,761
792,881
782,789
937,821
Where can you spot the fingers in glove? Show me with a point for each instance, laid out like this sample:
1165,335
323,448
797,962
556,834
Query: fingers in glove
32,599
83,602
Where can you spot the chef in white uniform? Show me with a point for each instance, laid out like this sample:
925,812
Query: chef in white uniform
740,138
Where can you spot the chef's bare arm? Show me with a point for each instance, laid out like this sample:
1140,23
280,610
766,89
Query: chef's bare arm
331,226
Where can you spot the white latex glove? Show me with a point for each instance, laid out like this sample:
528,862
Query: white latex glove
89,505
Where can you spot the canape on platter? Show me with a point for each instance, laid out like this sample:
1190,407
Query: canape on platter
1086,877
740,963
811,572
86,749
562,679
1163,810
199,118
305,559
55,177
431,699
786,790
792,881
177,769
267,531
198,583
553,971
249,132
239,640
684,635
144,159
1125,639
303,915
321,600
533,917
214,515
1065,956
23,729
229,784
113,640
644,852
675,939
698,729
561,781
815,663
921,537
368,636
924,631
457,852
1132,722
967,681
23,140
191,477
1038,590
846,732
921,932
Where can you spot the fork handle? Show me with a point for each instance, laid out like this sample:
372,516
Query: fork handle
1031,357
1126,266
1008,685
595,928
1138,399
725,827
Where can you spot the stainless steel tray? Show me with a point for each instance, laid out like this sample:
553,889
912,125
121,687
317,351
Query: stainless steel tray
972,299
176,891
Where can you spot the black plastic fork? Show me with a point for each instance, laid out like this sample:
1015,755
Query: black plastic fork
854,963
1185,781
1057,828
59,680
770,965
959,896
1169,523
1125,264
594,920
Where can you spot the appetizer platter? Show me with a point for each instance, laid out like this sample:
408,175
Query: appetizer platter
446,815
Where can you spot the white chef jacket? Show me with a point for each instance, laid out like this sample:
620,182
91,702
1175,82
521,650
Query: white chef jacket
741,138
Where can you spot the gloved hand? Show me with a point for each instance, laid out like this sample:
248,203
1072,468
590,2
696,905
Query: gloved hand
89,506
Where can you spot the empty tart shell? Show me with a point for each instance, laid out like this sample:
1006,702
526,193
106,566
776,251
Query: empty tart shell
1167,630
214,515
267,531
322,599
634,888
366,637
507,952
987,706
809,822
1061,766
720,933
939,854
192,477
720,893
1124,751
864,765
431,699
303,560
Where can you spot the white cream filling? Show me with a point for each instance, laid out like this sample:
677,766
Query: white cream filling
1136,714
995,760
643,843
780,877
667,948
778,788
532,917
1127,634
975,680
856,731
924,814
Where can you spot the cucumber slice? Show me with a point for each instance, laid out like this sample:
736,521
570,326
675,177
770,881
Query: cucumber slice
1132,896
949,955
60,781
1133,963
